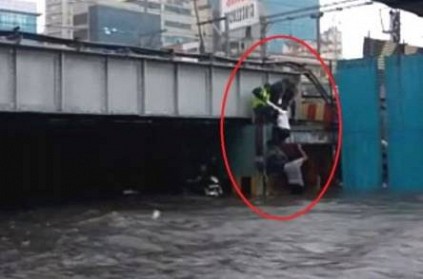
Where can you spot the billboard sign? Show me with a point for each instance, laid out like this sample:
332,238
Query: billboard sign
240,13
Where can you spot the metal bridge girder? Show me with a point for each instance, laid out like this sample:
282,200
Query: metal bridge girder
55,80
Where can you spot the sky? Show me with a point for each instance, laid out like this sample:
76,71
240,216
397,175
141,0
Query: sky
355,24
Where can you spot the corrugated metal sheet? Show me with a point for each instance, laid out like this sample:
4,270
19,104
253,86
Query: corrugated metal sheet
361,150
381,49
405,124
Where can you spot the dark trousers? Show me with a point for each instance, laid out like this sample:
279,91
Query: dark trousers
280,135
296,189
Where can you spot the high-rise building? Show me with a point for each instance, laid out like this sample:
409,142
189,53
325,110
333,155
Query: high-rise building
246,11
179,21
243,24
81,18
17,13
60,13
118,24
303,28
204,32
330,46
331,43
58,18
206,13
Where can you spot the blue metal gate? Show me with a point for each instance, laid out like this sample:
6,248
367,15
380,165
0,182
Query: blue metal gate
404,82
361,149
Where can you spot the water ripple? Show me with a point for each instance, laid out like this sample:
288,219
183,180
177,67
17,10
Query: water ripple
200,238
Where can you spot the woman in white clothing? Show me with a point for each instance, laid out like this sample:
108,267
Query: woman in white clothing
294,174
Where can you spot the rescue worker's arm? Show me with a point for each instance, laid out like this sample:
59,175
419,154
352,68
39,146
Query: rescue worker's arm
275,107
303,154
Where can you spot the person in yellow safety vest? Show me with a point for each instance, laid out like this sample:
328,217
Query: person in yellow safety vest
262,111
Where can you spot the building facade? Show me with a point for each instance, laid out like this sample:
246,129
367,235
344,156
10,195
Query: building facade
330,46
332,43
205,12
118,24
59,18
60,14
177,21
241,38
16,13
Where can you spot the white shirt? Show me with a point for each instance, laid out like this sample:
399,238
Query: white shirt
283,120
293,171
283,117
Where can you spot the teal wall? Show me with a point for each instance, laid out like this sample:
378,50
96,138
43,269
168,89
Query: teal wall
361,148
405,122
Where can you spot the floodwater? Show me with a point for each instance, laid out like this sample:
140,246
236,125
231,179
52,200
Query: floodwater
202,238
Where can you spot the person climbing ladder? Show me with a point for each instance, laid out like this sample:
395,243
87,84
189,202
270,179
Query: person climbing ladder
294,173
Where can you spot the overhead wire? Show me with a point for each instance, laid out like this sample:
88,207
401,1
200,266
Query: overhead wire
337,9
181,33
194,36
309,8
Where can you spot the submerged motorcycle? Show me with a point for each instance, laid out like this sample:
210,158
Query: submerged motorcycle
213,187
204,184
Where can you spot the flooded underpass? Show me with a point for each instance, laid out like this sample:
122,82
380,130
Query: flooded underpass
375,237
50,167
61,158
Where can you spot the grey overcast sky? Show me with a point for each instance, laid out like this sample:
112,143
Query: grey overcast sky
355,24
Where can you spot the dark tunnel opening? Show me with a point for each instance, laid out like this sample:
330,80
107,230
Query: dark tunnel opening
49,159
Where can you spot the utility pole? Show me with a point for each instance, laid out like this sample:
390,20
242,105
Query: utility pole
200,34
65,18
318,17
227,39
226,23
395,26
263,28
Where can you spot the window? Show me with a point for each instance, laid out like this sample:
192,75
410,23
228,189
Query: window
55,33
203,7
54,13
54,9
81,34
178,2
170,40
80,19
152,5
54,3
11,20
177,10
178,25
54,18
